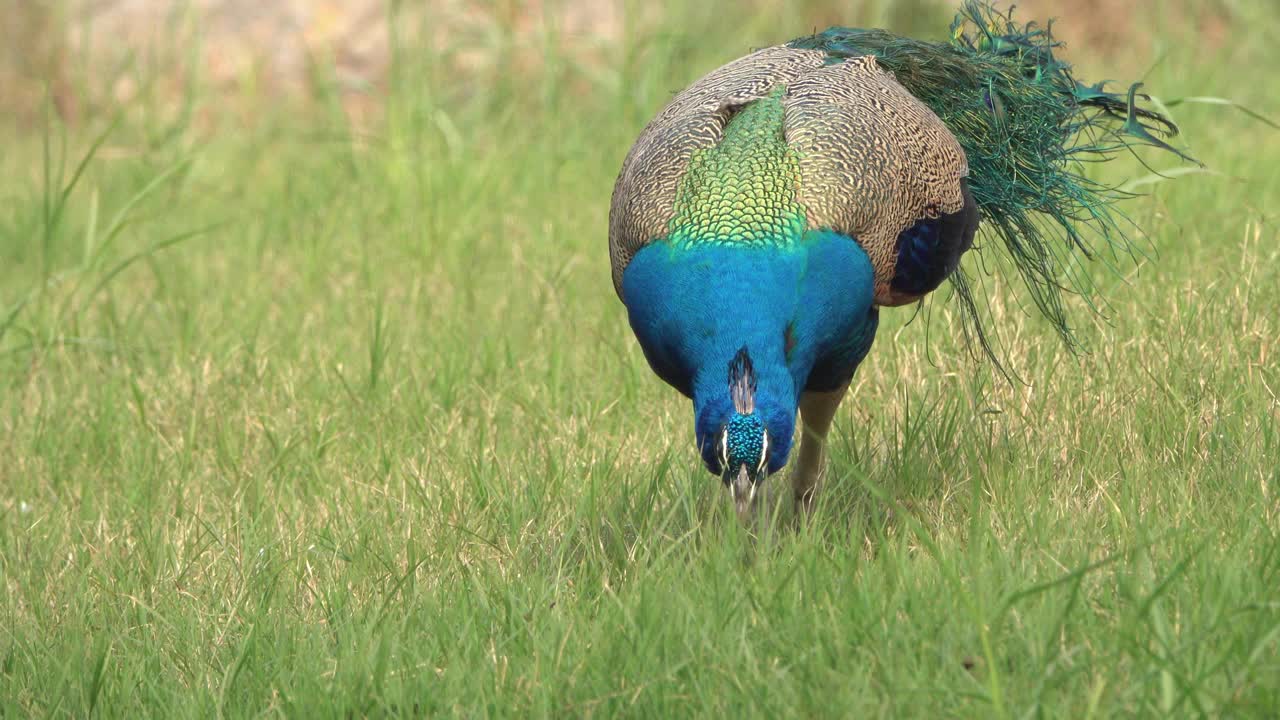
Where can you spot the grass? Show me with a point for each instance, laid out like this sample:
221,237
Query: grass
299,418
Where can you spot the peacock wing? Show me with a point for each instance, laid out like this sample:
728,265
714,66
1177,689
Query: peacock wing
874,163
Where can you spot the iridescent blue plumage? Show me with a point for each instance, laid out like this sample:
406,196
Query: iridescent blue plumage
803,312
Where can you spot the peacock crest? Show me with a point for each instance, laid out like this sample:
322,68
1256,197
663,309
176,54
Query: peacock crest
742,382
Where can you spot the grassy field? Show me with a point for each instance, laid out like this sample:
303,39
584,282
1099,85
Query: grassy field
303,418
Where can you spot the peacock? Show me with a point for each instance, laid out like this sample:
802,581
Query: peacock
769,211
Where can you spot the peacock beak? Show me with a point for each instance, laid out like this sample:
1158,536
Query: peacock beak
744,491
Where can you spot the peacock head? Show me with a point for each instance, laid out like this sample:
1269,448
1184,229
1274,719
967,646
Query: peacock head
744,457
742,448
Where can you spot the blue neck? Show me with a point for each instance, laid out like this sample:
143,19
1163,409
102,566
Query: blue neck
693,308
793,306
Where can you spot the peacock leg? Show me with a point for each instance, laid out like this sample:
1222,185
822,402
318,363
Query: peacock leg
817,410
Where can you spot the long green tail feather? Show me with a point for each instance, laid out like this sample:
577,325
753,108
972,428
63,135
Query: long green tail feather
1028,128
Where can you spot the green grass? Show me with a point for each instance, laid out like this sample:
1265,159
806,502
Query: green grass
297,418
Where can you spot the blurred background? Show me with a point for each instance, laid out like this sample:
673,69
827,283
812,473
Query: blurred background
90,55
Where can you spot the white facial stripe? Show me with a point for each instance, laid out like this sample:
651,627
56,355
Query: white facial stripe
764,452
724,448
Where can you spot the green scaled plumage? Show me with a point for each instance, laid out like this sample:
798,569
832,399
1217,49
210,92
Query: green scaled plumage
1027,128
742,189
